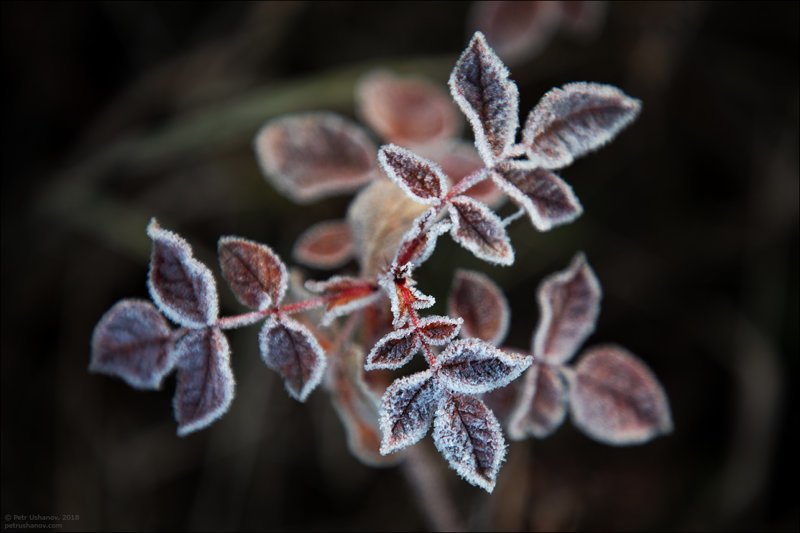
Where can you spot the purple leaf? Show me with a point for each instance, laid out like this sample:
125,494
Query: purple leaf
569,302
547,199
181,286
479,230
343,295
474,367
394,350
574,120
616,399
459,159
315,155
482,304
407,409
481,88
254,272
325,245
406,110
205,380
439,330
133,341
542,403
517,29
421,179
291,350
468,435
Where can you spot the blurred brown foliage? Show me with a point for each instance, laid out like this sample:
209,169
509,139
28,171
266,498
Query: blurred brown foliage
118,111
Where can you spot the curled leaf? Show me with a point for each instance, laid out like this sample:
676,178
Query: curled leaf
481,303
421,179
480,86
182,287
327,244
406,110
133,341
343,295
419,242
315,155
404,299
479,230
548,200
256,275
439,330
205,381
468,435
394,350
616,399
474,367
574,120
407,408
291,350
542,404
569,302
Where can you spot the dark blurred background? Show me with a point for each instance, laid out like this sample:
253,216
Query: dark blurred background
116,112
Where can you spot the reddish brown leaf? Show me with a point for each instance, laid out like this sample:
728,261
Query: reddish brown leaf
394,350
407,408
419,242
325,245
616,399
256,275
205,381
468,435
421,179
291,350
479,230
542,403
518,29
459,159
574,120
474,367
569,302
547,199
408,110
182,287
404,299
343,295
133,342
480,86
314,155
481,303
439,330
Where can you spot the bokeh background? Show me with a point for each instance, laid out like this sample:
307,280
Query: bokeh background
115,112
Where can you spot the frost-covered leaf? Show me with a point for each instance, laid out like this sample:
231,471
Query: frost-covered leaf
291,350
480,86
517,29
459,159
256,275
548,200
542,403
404,299
439,330
205,381
574,120
326,245
419,242
343,295
407,409
357,407
479,230
394,350
380,216
616,399
133,341
481,303
182,287
315,155
569,302
421,179
468,435
472,366
406,110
